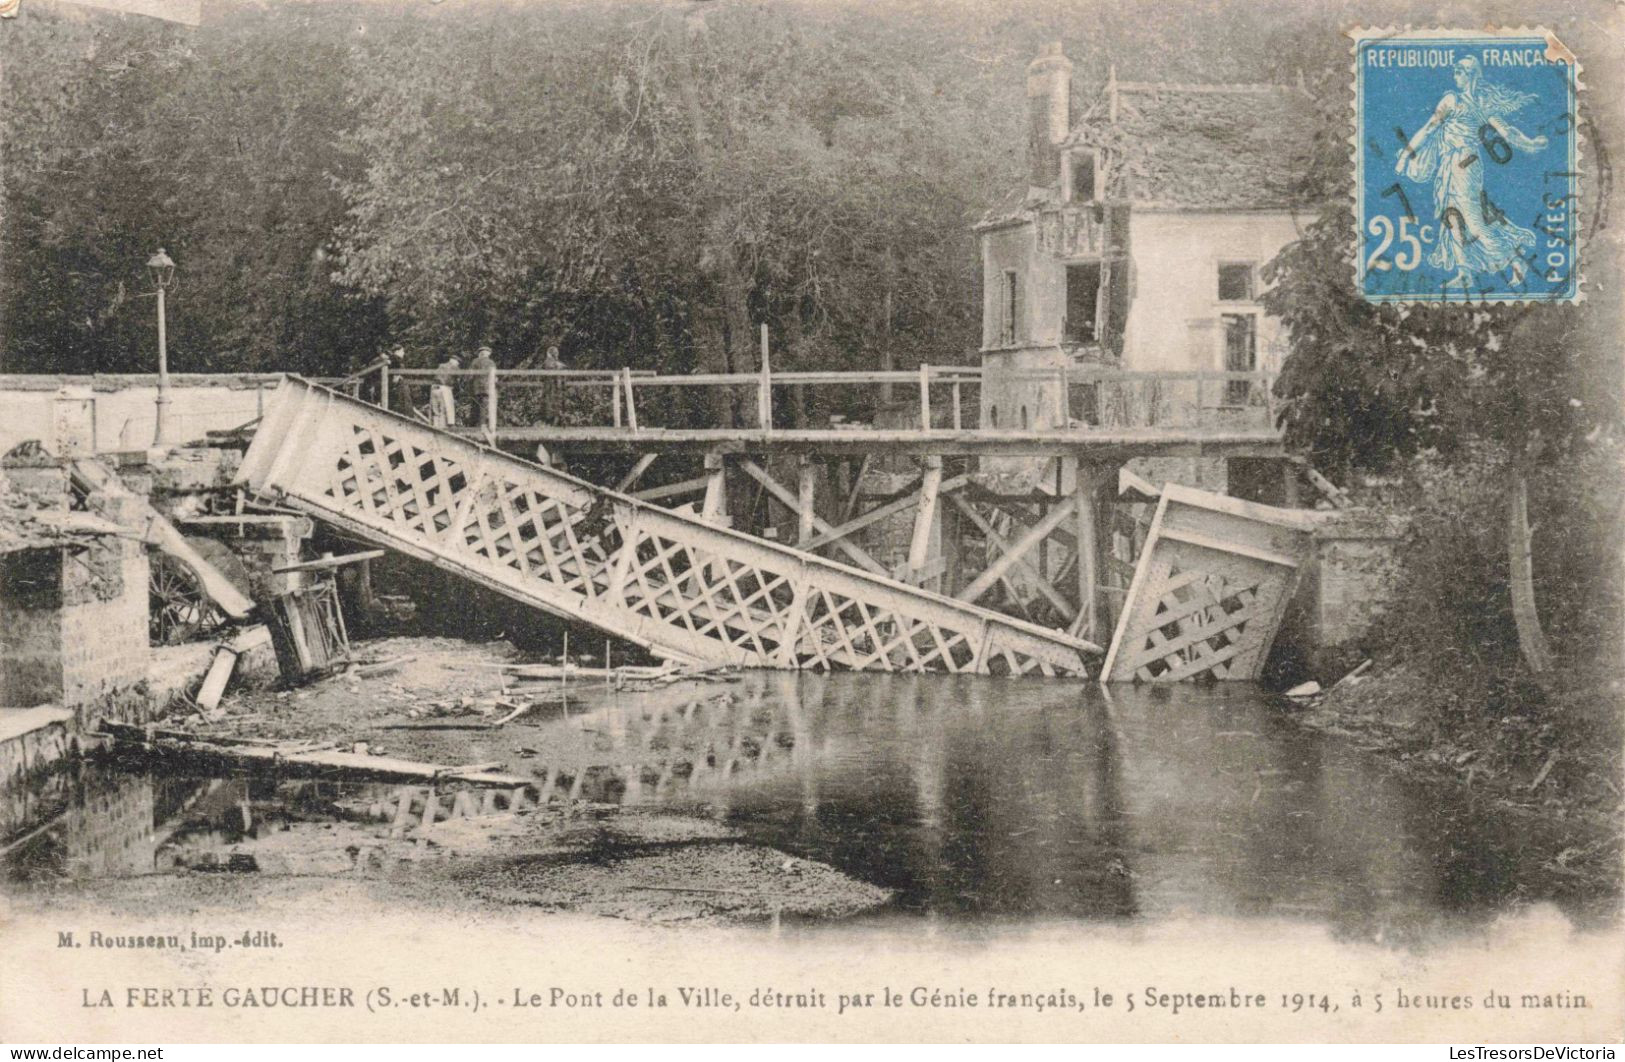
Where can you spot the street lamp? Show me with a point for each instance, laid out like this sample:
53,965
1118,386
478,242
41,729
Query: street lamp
162,269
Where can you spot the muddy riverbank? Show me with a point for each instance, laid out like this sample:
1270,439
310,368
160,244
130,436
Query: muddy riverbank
646,867
1556,771
246,843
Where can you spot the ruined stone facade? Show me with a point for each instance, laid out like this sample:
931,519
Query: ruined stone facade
1138,238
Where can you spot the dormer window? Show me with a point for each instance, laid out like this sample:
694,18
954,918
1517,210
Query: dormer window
1084,184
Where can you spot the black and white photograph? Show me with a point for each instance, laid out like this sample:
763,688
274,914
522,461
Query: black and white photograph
808,521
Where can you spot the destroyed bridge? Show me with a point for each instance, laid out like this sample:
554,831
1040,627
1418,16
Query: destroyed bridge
926,541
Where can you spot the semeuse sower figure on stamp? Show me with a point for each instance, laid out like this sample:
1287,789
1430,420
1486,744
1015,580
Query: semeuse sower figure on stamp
1450,150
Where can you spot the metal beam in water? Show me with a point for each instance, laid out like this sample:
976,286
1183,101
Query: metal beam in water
1209,589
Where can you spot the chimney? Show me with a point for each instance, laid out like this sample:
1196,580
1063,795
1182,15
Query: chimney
1049,115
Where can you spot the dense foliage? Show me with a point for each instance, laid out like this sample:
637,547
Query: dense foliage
642,182
1487,413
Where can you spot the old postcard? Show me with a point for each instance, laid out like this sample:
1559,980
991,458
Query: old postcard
810,520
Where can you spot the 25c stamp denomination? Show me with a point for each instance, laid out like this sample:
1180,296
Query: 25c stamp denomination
1467,166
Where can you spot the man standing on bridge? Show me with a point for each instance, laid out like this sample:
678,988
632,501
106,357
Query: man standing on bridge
484,386
442,399
553,388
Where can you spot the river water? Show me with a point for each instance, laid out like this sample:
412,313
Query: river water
973,798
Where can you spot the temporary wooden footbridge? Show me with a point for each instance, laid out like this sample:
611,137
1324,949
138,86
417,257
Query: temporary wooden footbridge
1212,583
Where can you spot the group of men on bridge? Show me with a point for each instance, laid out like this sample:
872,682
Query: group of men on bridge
455,388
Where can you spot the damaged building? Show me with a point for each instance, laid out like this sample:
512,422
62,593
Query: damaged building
1136,246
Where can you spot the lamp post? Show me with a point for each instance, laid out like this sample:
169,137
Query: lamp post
162,269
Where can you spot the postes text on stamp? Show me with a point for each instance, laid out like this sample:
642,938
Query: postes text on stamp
1467,185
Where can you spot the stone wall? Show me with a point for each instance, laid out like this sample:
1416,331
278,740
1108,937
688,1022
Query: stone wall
1349,584
30,740
104,612
80,414
73,619
110,828
31,627
261,543
1206,473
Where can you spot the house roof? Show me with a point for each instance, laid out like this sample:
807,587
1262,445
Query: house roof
1212,147
1012,206
1190,147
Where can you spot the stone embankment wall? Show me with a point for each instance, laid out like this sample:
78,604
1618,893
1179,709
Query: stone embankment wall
1354,574
85,414
74,621
1347,587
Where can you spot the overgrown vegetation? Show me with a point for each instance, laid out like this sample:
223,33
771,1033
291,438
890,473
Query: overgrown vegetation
1501,426
642,182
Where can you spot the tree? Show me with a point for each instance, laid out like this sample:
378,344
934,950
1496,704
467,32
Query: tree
1526,387
218,143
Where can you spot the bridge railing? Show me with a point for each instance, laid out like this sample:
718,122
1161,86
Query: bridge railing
948,397
1146,399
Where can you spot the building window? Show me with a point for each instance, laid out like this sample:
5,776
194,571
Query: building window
1009,307
1085,171
1238,287
1237,282
1082,322
1240,354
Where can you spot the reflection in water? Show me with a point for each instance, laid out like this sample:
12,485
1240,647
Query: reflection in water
972,796
968,796
87,824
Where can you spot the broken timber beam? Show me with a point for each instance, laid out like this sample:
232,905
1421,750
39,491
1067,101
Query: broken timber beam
714,510
642,466
1050,594
881,512
919,546
158,531
672,490
1086,554
773,487
314,763
806,478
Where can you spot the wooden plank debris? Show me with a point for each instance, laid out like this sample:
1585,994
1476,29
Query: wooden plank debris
224,664
157,531
302,761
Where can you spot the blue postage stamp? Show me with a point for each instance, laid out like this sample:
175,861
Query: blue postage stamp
1467,176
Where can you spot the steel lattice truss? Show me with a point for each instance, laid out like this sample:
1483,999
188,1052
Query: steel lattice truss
674,583
1209,591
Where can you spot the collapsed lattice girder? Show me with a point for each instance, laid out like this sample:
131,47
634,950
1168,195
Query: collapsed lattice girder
1210,587
671,582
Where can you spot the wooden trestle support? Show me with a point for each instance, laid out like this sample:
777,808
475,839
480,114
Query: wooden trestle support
684,587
